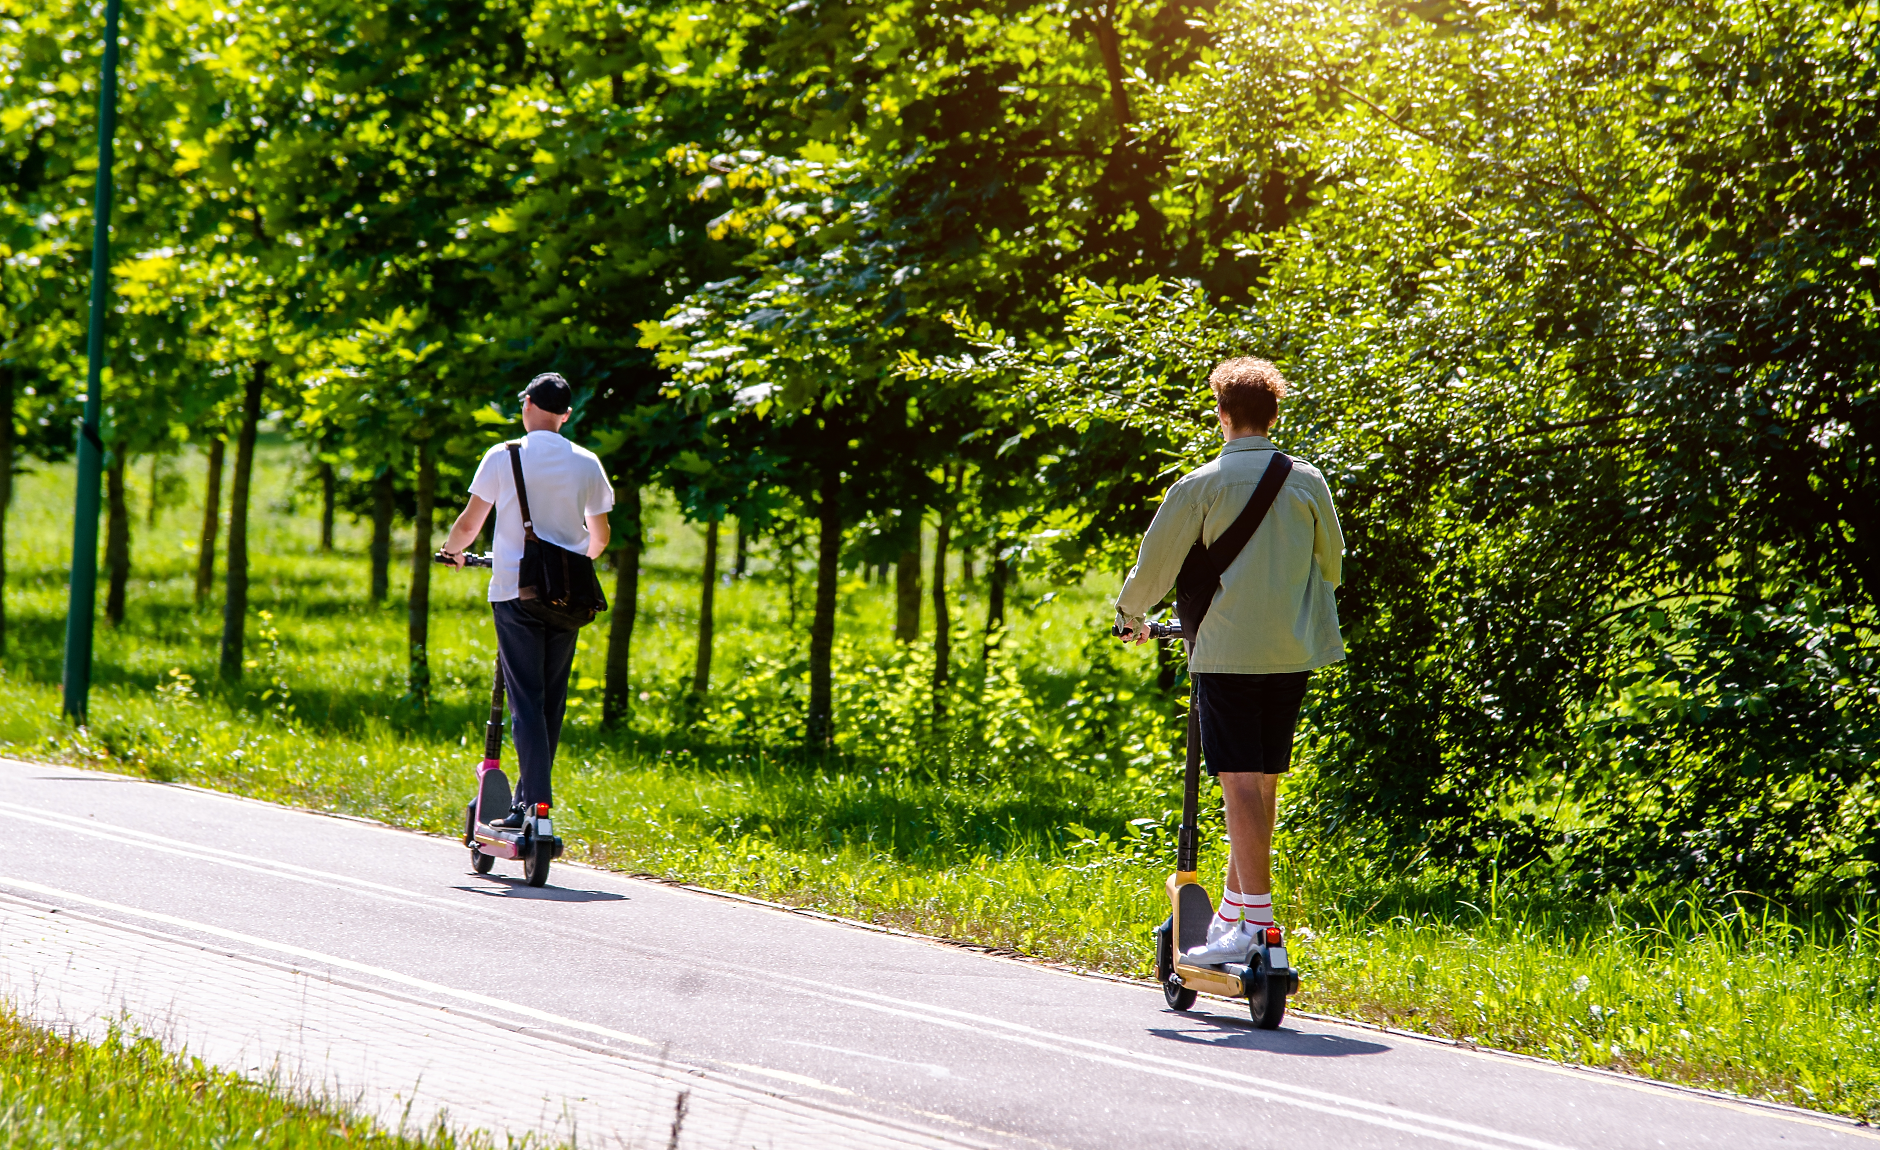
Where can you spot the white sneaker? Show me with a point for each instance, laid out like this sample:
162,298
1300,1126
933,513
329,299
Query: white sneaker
1217,929
1232,946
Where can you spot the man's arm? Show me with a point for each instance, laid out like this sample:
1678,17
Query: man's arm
1328,541
464,531
1176,526
600,533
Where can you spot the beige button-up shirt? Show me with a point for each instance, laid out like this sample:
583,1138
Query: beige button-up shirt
1274,612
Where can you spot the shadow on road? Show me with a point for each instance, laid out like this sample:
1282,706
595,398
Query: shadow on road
1228,1034
515,888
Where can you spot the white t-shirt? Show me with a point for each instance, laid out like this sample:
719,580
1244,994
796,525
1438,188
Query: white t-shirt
566,485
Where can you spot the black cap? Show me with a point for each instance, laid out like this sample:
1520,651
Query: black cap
550,392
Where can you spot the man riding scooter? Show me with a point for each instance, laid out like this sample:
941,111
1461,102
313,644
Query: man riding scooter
566,492
1271,623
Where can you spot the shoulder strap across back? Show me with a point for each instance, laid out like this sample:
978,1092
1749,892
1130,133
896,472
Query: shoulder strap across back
522,490
1224,550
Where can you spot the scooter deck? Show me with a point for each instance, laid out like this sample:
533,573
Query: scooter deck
493,798
1192,907
493,802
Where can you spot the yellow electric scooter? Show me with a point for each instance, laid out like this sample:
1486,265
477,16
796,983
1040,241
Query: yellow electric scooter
1264,978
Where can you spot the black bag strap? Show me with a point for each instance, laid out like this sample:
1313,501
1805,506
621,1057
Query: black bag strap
522,491
1226,548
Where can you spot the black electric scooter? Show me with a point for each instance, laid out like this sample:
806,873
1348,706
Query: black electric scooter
535,843
1263,977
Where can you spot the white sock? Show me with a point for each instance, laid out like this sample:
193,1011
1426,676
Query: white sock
1257,909
1230,910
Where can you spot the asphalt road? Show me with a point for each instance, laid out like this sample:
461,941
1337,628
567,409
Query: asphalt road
998,1052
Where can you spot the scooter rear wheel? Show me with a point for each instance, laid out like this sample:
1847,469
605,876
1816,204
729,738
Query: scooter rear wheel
480,862
535,866
1266,995
1174,993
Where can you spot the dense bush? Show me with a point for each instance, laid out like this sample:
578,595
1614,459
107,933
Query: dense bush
1581,306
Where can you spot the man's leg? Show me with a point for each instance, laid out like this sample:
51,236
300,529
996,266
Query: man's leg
1252,801
1251,798
557,661
1247,726
522,647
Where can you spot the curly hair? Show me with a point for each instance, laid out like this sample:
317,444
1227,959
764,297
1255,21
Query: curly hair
1249,391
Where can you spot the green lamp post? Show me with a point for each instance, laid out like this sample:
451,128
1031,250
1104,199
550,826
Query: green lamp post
84,585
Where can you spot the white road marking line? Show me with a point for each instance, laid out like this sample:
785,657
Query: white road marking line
130,836
1405,1123
786,1076
332,960
102,956
993,1026
933,1069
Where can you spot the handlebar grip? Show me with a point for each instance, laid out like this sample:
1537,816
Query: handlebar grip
1156,631
470,559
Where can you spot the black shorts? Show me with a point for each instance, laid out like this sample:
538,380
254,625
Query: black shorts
1247,721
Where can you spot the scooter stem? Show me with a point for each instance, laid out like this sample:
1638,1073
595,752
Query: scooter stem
493,730
1188,848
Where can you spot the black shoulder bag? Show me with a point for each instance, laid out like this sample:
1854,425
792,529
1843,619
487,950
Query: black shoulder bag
1201,572
567,593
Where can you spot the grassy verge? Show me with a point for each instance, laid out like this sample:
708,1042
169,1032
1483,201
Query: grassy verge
130,1094
1040,819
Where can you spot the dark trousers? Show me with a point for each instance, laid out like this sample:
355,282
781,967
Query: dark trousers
535,663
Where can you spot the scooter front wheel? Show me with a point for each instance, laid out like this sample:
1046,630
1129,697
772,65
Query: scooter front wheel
535,866
1174,993
480,862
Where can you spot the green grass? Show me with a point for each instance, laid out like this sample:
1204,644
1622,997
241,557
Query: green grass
1040,819
63,1093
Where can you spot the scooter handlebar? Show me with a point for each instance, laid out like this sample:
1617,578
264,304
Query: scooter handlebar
470,559
1156,631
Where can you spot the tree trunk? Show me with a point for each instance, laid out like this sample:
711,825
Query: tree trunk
418,624
742,560
995,596
822,630
1109,46
117,540
907,593
235,604
211,519
617,695
941,637
6,489
702,667
381,550
327,493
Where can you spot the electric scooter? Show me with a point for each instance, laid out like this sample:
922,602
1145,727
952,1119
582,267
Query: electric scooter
535,843
1263,977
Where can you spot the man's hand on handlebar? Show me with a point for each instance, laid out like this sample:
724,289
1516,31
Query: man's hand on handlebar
1132,630
462,559
1141,630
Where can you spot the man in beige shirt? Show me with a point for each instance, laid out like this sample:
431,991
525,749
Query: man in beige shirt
1270,625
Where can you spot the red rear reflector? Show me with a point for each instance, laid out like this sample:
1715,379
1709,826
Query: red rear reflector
1272,936
541,809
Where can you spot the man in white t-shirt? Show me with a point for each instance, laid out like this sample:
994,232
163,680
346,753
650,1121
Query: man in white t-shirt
569,498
